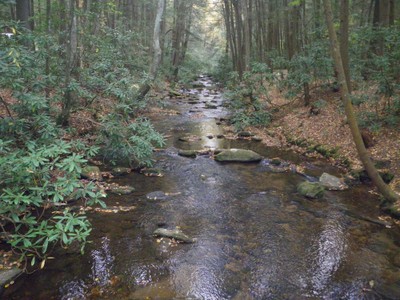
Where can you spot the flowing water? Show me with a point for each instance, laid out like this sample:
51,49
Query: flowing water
256,237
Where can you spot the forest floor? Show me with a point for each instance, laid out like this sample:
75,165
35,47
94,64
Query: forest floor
295,123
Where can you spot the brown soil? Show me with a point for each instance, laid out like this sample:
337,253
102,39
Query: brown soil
327,126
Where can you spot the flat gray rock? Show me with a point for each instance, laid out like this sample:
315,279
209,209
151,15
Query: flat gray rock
238,155
332,183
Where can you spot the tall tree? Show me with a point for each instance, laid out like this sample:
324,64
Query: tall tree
23,13
157,51
383,188
344,39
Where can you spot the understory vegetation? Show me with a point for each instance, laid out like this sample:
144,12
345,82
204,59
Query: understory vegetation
70,78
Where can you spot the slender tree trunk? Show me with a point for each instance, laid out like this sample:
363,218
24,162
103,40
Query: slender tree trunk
344,40
157,53
384,189
247,35
47,66
71,51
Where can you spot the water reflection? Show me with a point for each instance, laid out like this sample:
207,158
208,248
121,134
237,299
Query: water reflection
73,290
102,263
330,252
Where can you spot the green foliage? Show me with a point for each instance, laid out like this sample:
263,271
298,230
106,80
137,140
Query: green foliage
223,68
249,98
312,64
40,171
129,141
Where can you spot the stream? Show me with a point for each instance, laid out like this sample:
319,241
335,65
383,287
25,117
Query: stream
256,238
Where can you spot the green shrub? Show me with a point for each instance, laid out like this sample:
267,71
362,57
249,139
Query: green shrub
129,141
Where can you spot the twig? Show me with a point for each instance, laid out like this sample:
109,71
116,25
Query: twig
6,106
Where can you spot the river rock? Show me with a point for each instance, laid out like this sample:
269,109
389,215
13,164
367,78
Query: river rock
187,153
256,139
238,155
332,183
189,138
92,173
173,234
312,190
198,85
210,106
152,172
245,134
120,171
8,275
275,162
157,195
121,189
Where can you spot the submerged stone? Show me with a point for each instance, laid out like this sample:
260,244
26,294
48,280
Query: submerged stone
157,195
311,190
150,172
121,189
189,138
332,183
173,234
211,106
120,171
187,153
92,173
238,155
276,162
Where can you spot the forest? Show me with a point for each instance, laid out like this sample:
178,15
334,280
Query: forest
92,92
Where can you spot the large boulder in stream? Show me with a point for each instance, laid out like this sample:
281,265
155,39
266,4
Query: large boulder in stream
173,234
238,155
312,190
332,183
92,173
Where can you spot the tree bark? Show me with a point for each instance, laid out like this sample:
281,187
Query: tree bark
157,52
23,13
384,189
344,40
71,51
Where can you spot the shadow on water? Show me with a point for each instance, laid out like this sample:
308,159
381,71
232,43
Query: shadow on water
256,237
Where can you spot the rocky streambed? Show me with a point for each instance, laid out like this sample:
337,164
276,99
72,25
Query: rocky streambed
202,227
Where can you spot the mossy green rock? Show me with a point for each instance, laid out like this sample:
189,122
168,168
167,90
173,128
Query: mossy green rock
238,155
311,190
120,171
122,189
92,173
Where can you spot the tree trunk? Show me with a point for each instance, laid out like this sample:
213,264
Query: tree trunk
384,189
157,53
23,13
344,39
71,51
